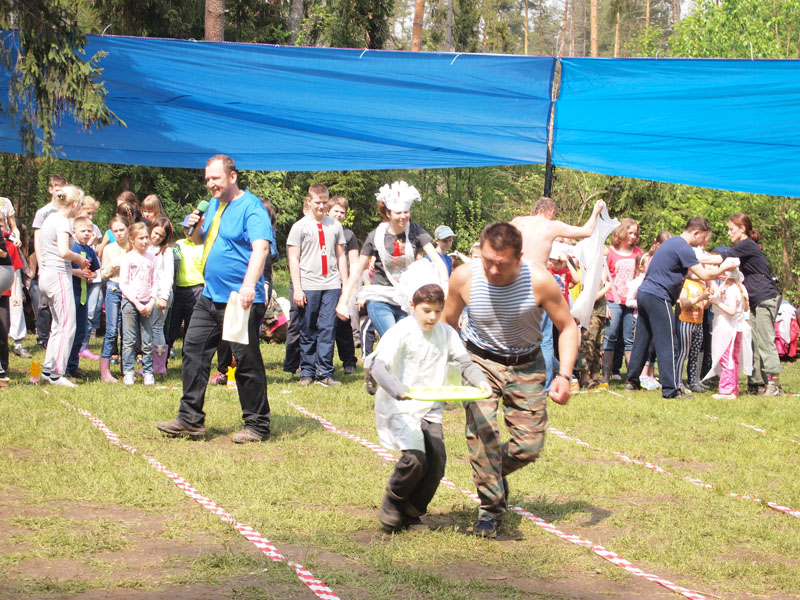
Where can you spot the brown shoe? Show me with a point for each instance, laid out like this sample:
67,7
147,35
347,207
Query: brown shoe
248,435
175,428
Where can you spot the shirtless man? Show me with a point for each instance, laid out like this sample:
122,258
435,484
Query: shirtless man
540,229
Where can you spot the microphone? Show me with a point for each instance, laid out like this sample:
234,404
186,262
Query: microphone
202,208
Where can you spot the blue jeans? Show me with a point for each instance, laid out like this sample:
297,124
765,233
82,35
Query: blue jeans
159,319
134,323
81,311
113,300
383,315
548,350
318,333
94,308
622,322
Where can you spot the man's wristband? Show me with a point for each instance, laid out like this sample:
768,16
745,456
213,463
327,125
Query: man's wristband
567,377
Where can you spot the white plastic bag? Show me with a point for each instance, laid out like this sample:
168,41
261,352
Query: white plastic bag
590,256
234,325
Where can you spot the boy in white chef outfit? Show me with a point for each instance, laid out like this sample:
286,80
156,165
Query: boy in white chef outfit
415,352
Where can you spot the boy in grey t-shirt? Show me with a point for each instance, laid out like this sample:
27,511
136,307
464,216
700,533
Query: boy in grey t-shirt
317,265
43,317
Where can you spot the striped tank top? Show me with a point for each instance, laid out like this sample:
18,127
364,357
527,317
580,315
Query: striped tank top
504,320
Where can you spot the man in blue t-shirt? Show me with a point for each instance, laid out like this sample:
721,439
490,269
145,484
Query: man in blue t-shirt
656,299
236,235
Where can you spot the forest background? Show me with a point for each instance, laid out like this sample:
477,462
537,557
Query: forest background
463,198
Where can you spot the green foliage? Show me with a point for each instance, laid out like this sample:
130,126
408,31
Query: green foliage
648,42
739,29
51,76
347,24
285,195
149,18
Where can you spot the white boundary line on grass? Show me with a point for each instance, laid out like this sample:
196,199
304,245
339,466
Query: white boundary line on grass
698,482
608,555
259,541
759,430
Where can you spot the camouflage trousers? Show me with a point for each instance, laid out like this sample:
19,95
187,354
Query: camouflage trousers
590,352
524,405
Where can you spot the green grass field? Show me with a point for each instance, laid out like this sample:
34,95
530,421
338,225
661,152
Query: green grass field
80,517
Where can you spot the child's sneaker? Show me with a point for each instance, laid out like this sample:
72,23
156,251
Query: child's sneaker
149,379
650,383
62,381
129,379
20,351
724,396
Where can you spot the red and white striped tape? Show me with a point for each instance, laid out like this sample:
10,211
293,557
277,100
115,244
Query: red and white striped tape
657,469
259,541
601,551
759,430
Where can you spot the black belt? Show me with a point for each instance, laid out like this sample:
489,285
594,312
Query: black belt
520,359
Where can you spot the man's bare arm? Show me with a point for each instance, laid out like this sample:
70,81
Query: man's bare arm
575,232
458,295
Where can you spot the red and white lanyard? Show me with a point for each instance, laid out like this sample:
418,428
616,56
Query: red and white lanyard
323,250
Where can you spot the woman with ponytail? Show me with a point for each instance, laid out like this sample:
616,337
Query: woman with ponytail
764,301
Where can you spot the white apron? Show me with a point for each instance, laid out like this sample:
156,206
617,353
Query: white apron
416,358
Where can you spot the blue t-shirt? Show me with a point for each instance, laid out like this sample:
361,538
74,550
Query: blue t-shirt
94,265
244,221
448,262
668,269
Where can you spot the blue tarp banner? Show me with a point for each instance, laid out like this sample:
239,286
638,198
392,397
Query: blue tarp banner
287,108
725,124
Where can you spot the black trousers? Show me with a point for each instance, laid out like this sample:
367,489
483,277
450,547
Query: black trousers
656,324
5,324
345,344
416,475
43,316
199,346
291,362
180,314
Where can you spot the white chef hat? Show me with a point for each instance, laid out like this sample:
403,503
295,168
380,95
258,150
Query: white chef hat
399,196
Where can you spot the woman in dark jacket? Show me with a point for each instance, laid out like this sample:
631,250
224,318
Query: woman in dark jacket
764,301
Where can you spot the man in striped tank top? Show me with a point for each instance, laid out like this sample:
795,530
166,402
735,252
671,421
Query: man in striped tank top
505,296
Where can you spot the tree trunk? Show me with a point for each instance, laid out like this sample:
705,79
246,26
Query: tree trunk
593,29
416,32
572,29
676,12
647,16
527,28
215,20
449,36
616,36
563,30
295,19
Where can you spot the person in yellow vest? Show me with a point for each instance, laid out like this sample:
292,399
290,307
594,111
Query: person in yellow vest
189,283
236,236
